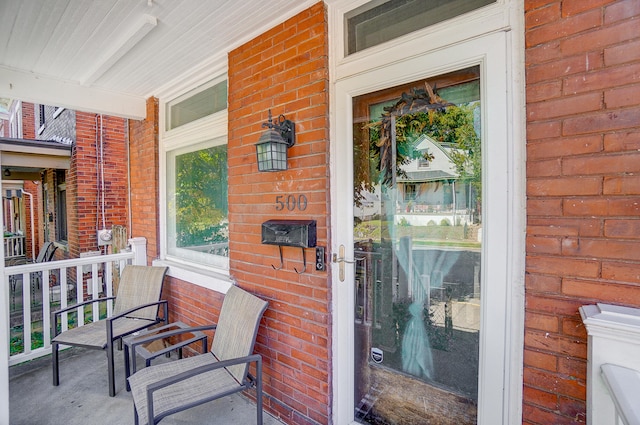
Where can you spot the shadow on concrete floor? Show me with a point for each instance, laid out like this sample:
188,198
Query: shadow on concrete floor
83,398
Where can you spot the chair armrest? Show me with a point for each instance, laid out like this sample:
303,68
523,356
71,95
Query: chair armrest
136,308
73,307
57,313
110,320
151,388
161,335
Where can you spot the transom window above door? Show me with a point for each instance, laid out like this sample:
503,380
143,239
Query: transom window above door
379,21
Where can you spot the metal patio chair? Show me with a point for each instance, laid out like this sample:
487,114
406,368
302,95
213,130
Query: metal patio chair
168,388
136,307
44,255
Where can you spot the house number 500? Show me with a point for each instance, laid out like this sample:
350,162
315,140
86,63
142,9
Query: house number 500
290,202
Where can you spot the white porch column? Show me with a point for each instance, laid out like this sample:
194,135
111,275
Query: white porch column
614,339
4,334
139,249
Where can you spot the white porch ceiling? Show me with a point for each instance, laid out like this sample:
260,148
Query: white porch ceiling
109,56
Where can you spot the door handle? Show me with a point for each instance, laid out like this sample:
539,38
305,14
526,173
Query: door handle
339,258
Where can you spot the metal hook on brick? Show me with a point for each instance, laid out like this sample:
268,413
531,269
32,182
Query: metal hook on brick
304,262
281,262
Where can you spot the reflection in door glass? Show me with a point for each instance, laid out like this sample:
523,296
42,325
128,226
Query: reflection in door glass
417,233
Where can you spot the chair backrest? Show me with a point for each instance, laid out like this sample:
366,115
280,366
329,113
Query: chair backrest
139,285
237,328
46,252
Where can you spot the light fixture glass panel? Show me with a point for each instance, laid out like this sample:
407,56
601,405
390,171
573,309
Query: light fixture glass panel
272,156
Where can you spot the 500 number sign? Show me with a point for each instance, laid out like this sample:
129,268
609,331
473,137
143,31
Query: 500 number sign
291,202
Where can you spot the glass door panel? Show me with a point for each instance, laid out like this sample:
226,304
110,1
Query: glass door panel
417,246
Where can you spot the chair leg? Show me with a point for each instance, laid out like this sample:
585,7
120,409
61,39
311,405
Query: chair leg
136,420
54,364
259,391
127,367
111,369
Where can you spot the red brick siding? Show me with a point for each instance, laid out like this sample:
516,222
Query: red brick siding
143,136
28,121
285,70
192,303
34,189
85,192
583,133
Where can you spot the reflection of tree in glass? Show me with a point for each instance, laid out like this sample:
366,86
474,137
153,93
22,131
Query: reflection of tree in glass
420,112
201,197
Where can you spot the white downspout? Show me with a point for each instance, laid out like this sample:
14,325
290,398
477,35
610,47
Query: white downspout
33,235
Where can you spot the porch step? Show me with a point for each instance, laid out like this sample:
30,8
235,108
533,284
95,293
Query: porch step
367,402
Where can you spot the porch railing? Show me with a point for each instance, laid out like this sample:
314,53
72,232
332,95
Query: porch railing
624,386
613,366
14,247
35,290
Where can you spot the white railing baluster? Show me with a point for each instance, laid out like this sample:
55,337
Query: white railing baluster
95,294
79,299
14,247
101,271
108,281
26,313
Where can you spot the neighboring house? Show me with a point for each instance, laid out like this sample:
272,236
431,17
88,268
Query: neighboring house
432,187
65,201
429,190
466,332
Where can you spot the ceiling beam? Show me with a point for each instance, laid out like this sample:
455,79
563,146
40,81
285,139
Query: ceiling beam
144,25
34,88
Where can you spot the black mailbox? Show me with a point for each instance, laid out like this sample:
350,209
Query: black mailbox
300,233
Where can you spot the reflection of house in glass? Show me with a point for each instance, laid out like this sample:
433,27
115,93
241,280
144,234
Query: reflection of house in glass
430,192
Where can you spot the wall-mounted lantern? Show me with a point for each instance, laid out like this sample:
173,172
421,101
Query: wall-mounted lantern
271,149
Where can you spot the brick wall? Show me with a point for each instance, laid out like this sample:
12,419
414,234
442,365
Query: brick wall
583,135
143,136
189,303
285,70
87,198
34,189
28,121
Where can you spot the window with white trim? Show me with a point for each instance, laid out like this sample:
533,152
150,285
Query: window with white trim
195,146
197,207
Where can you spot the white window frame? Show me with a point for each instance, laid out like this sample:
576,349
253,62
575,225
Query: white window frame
491,37
15,120
212,128
42,118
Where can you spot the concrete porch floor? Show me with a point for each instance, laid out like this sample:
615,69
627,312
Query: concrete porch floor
83,398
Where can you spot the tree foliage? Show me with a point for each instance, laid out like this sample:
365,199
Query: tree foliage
201,196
